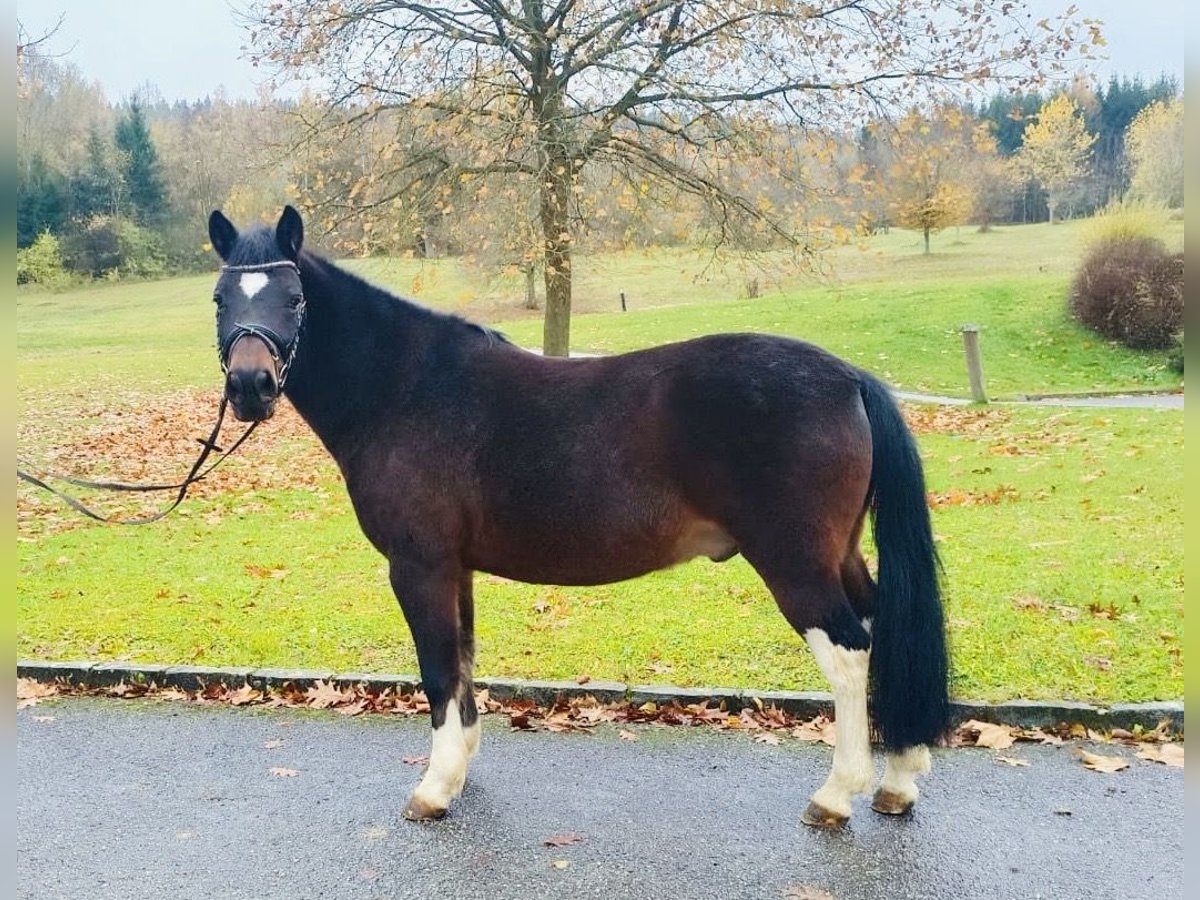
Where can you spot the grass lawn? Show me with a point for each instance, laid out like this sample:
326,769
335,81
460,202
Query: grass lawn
1061,532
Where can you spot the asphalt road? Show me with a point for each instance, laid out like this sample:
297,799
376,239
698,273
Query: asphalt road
130,799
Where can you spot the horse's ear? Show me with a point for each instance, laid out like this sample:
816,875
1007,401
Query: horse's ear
289,233
221,233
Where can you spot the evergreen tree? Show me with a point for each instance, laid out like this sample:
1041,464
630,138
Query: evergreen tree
97,189
141,168
41,201
1010,114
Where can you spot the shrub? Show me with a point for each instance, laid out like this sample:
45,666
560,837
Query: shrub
1125,219
1175,356
41,262
115,247
1129,289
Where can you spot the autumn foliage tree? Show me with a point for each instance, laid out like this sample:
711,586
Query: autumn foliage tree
661,92
935,159
1056,150
1155,146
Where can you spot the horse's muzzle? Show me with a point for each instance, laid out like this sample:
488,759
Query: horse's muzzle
252,380
252,394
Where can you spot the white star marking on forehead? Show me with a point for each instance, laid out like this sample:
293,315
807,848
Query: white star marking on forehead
252,282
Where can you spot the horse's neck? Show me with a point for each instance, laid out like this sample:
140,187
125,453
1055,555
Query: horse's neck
356,356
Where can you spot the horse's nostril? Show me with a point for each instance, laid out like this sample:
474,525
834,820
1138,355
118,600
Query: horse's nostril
264,383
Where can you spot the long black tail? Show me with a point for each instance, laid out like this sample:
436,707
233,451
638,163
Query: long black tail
909,671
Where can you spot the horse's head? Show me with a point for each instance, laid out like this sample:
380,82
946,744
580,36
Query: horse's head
260,310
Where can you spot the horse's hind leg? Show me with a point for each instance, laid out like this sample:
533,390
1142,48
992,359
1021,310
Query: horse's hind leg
466,662
812,597
898,789
429,597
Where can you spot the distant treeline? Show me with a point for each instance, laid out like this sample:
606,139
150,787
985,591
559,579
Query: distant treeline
124,189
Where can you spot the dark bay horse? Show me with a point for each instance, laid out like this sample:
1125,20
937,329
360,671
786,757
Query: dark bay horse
464,453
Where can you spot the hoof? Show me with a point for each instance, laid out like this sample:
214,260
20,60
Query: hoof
419,810
819,817
891,804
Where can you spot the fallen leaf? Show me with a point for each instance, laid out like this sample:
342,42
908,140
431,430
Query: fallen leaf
1012,761
561,863
323,695
273,744
245,694
990,735
42,718
1167,754
583,679
1099,763
31,692
563,840
767,738
806,892
627,735
281,772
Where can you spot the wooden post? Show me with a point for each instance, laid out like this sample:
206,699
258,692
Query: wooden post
622,301
970,335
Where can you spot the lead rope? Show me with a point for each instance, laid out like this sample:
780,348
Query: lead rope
209,445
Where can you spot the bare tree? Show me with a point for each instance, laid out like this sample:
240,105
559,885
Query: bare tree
663,91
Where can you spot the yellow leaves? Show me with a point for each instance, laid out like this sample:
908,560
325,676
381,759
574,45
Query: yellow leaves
273,572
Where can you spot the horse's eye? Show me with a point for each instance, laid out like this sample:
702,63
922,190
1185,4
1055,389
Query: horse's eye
295,300
217,298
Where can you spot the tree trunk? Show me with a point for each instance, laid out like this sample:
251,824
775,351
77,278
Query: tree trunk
926,241
530,287
556,333
1052,205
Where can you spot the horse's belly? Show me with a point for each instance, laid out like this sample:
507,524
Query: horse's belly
602,556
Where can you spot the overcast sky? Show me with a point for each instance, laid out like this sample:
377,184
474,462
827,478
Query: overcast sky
189,48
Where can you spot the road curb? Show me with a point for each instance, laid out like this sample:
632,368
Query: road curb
804,704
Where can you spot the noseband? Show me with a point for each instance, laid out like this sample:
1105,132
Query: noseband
283,352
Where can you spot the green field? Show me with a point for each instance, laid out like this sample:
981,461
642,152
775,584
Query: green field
1061,531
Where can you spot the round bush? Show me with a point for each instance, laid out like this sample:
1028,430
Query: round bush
1129,289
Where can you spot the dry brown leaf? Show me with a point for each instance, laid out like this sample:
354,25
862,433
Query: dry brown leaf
281,772
273,744
31,692
323,695
806,892
767,737
1099,763
42,718
990,735
818,729
245,694
1012,760
627,735
563,840
1167,754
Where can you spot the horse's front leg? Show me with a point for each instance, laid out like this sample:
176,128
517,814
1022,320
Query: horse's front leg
429,597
